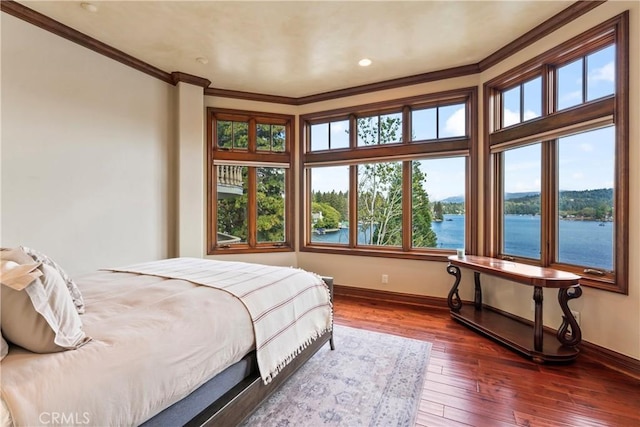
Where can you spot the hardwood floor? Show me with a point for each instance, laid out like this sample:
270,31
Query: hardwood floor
473,381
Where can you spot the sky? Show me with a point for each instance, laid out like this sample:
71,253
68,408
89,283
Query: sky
586,160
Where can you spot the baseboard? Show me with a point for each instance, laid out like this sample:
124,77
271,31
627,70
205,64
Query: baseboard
391,297
614,360
611,359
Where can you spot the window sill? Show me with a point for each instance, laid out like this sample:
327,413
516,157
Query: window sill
248,250
381,253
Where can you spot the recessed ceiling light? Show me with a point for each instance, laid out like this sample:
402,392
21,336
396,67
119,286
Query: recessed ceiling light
364,62
89,7
202,60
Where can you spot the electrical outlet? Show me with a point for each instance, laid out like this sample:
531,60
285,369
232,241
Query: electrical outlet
385,278
576,315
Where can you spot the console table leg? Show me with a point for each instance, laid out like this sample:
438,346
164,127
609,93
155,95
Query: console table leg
567,319
537,325
453,300
478,291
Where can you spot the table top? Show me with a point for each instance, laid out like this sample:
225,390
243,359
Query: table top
518,272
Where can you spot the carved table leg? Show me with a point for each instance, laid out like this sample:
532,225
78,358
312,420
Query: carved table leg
568,321
453,300
537,324
478,291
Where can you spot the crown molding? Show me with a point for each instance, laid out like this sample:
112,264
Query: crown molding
559,20
251,96
177,77
567,15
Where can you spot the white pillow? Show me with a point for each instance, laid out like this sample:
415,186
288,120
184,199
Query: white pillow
71,285
41,317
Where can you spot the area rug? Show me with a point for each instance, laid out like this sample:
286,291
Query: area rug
370,379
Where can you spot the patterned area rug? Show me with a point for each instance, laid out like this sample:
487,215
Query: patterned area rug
370,379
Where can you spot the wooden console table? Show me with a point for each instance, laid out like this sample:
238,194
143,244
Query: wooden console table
532,341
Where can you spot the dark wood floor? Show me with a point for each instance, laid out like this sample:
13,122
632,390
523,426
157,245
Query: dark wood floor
472,380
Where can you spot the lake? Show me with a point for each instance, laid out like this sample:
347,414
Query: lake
586,243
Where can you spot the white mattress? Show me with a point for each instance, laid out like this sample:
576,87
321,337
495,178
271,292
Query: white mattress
154,341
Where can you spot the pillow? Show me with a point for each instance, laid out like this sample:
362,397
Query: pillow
41,317
4,347
71,285
21,273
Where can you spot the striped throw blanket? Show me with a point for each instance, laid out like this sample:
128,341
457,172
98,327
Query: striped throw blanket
289,307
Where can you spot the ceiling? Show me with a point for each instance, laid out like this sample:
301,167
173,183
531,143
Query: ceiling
301,48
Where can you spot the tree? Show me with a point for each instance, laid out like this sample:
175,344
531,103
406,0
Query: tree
232,212
339,200
438,214
380,203
270,200
330,216
380,192
423,234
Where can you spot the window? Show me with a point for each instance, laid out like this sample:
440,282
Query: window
557,160
522,102
249,193
391,178
521,201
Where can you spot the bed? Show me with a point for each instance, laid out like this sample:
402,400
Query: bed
173,342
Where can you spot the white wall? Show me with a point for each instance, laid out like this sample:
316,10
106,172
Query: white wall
85,143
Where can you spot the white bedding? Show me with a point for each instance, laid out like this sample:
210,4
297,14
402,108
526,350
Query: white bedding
289,307
154,341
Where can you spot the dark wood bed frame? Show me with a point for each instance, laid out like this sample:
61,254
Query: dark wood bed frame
240,402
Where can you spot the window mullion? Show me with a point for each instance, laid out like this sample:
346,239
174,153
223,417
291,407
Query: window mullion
406,125
549,175
521,103
407,205
353,206
584,79
549,203
498,214
353,131
353,184
252,208
548,89
252,144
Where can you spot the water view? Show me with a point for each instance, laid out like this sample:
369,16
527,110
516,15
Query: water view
581,242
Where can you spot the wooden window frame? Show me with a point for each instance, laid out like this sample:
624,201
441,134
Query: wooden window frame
252,158
553,124
405,151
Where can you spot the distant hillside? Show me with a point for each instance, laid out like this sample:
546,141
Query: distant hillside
587,204
453,199
520,195
509,196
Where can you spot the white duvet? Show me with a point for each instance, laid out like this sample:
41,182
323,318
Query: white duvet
154,341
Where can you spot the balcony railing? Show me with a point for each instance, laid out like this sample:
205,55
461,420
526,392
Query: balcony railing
229,181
